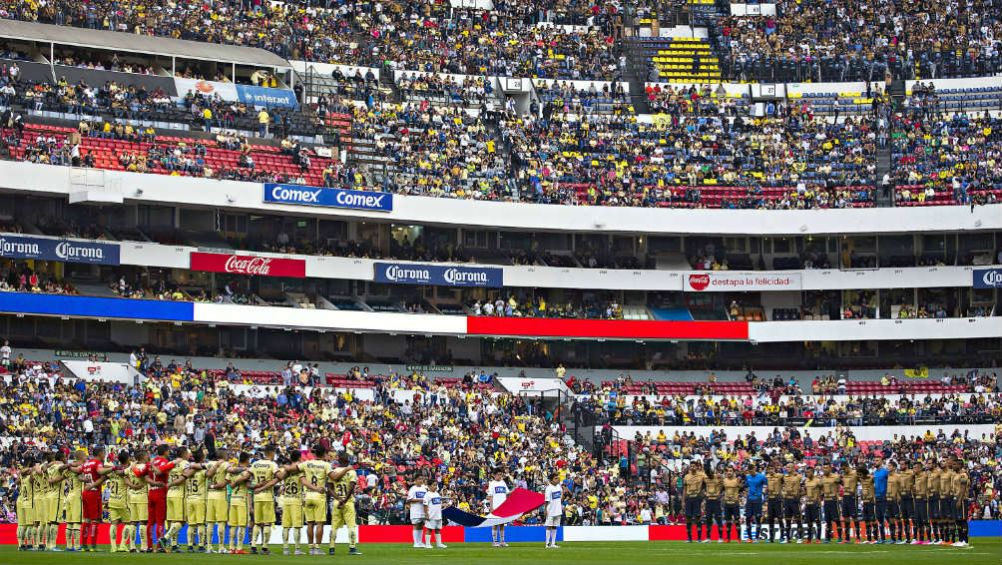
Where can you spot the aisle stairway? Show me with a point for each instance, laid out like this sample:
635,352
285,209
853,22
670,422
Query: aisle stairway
677,59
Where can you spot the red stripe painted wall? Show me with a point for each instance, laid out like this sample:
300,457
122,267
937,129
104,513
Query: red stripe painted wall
612,329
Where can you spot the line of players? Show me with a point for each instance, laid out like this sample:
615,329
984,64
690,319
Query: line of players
920,503
157,497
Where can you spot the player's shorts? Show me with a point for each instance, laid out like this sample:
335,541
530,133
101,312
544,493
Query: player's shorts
907,507
812,512
693,506
25,511
753,509
216,509
775,508
175,509
264,511
73,508
831,510
417,521
292,515
551,522
194,511
732,513
237,515
138,509
315,510
713,510
850,509
53,508
893,509
119,514
869,511
934,511
947,506
921,510
437,524
791,507
92,505
960,509
345,516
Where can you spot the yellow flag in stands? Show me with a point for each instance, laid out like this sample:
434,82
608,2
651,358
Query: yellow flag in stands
917,373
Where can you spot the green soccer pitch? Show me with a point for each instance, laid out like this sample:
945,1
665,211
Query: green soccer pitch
985,551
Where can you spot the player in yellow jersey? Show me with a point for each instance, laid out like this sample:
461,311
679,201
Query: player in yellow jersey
118,504
216,508
292,502
54,474
195,488
176,496
73,504
39,490
239,481
344,483
25,504
263,471
138,497
314,481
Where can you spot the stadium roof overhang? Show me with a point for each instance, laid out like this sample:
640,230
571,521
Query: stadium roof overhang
140,44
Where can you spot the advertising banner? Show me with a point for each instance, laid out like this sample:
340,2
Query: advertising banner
16,246
723,281
987,278
226,90
328,197
266,97
102,371
248,265
438,275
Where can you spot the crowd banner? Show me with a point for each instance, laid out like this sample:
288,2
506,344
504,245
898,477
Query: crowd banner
102,371
17,246
328,197
726,281
438,275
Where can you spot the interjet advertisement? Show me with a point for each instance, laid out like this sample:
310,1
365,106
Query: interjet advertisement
17,246
437,275
328,197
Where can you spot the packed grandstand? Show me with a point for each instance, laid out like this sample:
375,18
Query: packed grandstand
714,270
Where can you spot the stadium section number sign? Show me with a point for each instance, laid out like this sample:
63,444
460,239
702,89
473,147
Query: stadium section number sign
438,275
724,282
26,247
328,197
248,265
987,278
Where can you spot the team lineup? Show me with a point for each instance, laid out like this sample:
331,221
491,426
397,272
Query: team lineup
154,498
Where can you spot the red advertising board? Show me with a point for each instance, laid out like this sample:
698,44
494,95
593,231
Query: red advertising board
612,329
248,265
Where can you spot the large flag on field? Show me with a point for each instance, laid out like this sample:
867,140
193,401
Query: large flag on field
518,503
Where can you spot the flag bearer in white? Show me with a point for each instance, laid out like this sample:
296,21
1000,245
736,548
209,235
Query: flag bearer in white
497,493
554,510
415,498
433,513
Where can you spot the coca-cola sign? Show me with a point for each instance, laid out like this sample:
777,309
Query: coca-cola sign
248,265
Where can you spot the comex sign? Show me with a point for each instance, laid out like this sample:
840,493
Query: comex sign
438,275
987,278
328,197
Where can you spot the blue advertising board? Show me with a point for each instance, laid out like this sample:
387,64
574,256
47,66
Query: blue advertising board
438,275
328,197
17,246
267,97
62,305
987,278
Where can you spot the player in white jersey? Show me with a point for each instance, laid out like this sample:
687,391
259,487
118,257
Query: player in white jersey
415,499
554,509
497,493
433,514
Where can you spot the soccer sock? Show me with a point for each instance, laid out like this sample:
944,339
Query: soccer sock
129,536
113,536
21,528
688,528
221,535
172,531
417,536
501,533
285,538
265,535
255,533
53,530
295,537
143,535
353,536
241,532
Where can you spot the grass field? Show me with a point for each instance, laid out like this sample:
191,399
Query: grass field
985,551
